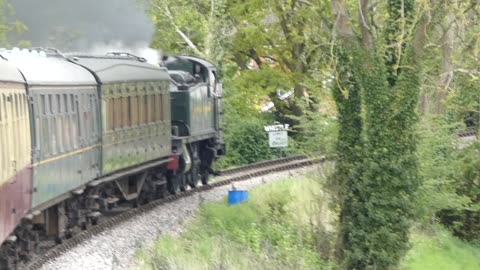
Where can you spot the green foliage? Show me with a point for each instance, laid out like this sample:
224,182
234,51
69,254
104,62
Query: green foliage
282,39
318,134
246,92
377,166
438,152
271,231
465,221
9,26
440,251
450,171
247,142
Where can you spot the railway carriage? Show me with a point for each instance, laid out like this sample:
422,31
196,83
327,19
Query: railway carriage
135,110
65,131
81,135
15,166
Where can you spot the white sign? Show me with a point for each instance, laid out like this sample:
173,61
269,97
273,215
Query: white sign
277,135
278,139
276,128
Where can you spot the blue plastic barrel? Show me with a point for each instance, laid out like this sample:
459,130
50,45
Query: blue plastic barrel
237,196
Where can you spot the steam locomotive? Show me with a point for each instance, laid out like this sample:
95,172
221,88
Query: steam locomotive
81,135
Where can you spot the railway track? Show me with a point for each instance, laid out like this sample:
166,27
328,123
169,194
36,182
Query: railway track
227,177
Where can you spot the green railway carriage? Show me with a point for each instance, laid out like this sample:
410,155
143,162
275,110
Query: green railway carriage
135,110
83,136
65,131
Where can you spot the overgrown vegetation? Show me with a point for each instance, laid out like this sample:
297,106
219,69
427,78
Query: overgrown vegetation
378,173
359,72
280,227
439,250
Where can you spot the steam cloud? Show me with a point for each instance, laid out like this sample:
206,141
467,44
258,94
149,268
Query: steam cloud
96,26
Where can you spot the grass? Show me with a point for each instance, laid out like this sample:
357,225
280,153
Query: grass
282,226
276,229
441,251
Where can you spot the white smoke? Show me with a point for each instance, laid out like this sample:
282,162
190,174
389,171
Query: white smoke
140,49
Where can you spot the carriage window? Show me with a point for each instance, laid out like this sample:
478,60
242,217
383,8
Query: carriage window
50,102
65,103
145,109
60,135
4,108
72,103
43,107
134,110
126,111
93,105
67,129
79,126
142,108
151,116
159,107
20,106
111,118
86,116
15,104
154,107
118,113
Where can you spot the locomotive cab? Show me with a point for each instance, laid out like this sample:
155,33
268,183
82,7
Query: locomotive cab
195,110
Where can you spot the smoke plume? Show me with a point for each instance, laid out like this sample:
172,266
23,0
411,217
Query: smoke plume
85,25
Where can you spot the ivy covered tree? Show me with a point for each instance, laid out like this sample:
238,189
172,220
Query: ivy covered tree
378,73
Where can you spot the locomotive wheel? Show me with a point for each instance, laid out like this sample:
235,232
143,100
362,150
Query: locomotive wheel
184,183
173,185
194,178
205,177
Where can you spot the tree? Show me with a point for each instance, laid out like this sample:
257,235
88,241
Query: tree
284,36
378,75
197,27
9,26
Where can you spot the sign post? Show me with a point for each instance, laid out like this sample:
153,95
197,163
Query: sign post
277,135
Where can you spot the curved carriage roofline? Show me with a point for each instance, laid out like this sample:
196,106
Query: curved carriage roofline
9,73
43,68
120,68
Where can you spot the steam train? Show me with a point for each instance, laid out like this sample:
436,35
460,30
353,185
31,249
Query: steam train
81,135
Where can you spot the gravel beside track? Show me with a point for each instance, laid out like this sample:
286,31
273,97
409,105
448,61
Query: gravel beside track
114,248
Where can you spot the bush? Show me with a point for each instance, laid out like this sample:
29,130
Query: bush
438,167
247,142
451,179
465,221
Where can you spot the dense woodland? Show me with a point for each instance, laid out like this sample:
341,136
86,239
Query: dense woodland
382,88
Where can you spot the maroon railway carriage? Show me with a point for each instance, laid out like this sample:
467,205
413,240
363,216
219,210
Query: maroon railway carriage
15,150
